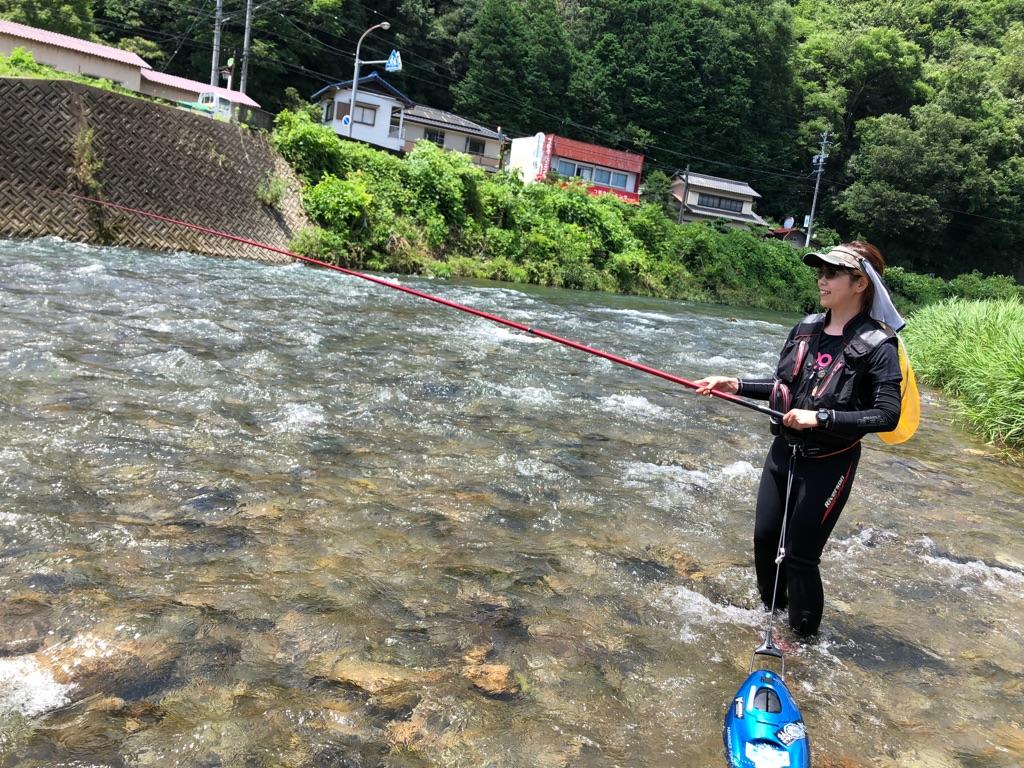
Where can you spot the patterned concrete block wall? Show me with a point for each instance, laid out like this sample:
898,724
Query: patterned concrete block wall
58,137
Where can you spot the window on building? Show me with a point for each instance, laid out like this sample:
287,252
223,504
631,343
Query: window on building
584,172
602,176
431,134
328,111
620,180
364,114
566,168
475,146
721,203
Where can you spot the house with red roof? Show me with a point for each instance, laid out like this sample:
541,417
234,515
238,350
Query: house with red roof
604,170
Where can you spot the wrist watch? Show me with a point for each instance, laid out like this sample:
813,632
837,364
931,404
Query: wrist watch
824,418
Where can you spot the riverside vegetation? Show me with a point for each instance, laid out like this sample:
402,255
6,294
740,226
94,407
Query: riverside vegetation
435,213
923,99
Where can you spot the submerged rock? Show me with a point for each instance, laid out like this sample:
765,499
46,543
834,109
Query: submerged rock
367,676
24,624
492,679
102,661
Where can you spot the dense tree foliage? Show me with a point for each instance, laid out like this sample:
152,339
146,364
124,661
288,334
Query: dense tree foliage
923,99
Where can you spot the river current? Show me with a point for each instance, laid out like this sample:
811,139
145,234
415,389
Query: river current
275,516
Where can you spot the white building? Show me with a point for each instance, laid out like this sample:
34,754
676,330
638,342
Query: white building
602,169
387,118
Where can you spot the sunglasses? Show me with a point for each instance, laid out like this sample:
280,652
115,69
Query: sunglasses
830,271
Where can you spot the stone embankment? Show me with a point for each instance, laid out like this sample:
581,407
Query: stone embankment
58,137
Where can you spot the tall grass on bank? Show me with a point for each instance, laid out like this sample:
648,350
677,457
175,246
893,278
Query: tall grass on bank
974,350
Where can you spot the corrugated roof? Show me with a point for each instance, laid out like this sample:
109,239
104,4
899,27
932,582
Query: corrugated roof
596,154
194,86
373,78
430,116
71,43
718,183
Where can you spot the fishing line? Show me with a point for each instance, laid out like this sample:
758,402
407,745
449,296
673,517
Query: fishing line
438,300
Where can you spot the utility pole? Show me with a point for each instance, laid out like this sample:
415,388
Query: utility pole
682,199
819,167
215,66
245,46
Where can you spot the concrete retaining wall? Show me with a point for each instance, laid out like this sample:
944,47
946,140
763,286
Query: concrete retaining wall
59,137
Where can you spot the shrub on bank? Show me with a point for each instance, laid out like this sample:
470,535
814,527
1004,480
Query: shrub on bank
434,212
974,350
910,290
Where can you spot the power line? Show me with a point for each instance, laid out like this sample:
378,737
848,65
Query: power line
504,98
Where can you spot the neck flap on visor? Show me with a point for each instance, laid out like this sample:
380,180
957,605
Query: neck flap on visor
882,308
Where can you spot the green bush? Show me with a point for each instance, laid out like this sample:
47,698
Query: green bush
21,63
270,191
910,290
311,149
339,204
317,243
974,350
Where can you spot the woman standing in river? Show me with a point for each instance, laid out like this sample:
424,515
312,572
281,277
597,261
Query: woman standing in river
838,379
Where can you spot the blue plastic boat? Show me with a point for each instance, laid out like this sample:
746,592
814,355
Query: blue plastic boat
763,727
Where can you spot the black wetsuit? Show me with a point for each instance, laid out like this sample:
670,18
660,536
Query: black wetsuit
865,397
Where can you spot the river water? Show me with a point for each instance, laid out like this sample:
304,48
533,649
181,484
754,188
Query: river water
273,516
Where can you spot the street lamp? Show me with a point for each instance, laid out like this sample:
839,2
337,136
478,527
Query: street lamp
355,76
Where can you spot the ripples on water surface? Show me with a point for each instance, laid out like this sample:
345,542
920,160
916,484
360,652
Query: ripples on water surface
262,516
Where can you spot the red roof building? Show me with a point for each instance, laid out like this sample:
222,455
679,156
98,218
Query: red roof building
604,170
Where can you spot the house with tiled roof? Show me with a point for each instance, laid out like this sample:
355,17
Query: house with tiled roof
453,133
387,118
700,197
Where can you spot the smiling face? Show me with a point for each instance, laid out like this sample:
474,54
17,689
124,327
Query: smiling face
841,289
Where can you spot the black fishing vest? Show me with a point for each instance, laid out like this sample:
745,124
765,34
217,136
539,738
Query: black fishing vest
836,387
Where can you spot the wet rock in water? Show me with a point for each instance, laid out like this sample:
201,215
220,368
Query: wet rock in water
97,662
395,704
101,661
927,757
491,609
684,565
50,583
413,733
367,676
213,500
645,571
495,680
265,510
24,624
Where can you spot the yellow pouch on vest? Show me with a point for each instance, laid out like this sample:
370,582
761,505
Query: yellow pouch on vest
910,407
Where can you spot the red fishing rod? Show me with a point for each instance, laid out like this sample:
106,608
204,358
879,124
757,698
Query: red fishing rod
445,302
